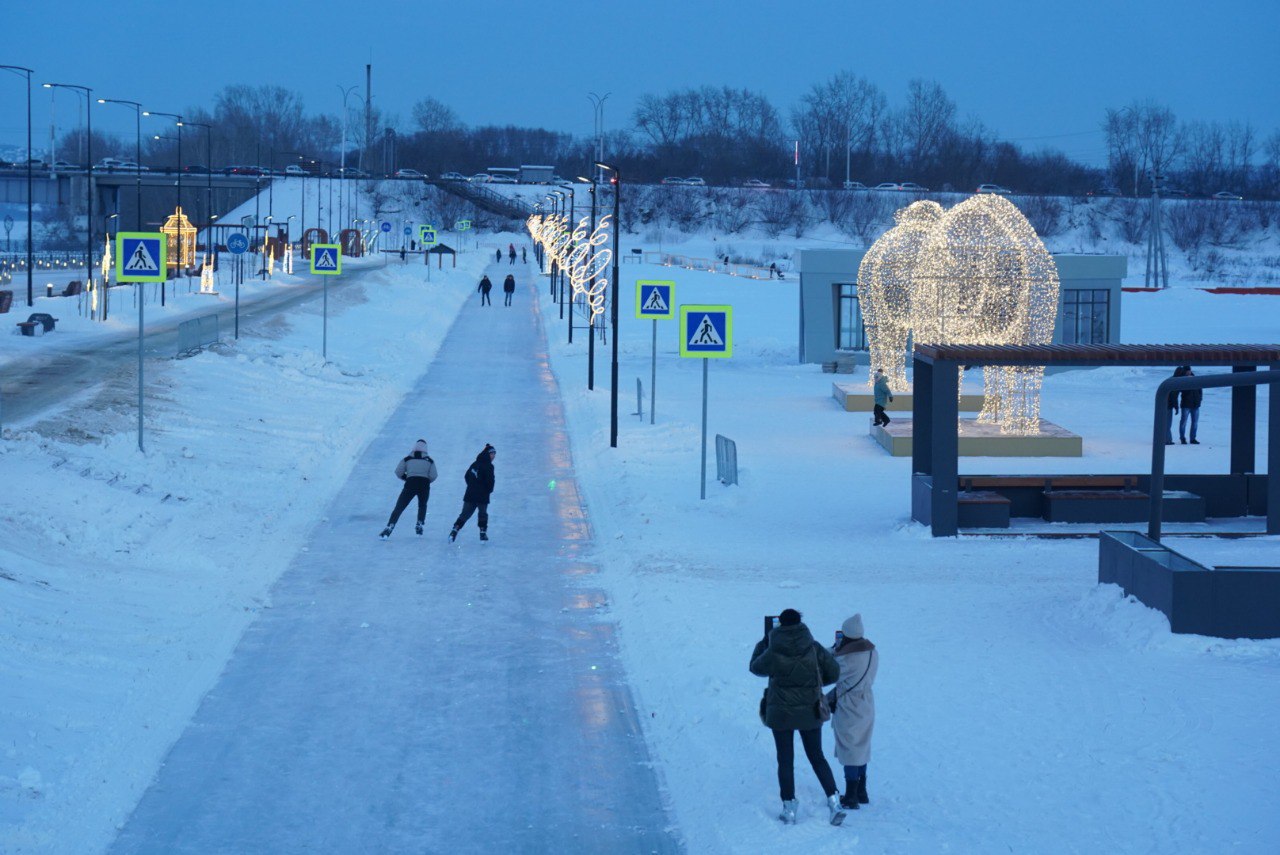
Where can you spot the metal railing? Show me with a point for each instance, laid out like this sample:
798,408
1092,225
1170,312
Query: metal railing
726,460
196,334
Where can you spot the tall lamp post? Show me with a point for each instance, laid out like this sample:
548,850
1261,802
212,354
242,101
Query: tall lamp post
591,320
178,261
573,213
597,102
137,150
88,178
613,307
208,155
27,72
342,155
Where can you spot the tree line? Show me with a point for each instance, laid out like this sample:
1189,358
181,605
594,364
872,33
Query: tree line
844,125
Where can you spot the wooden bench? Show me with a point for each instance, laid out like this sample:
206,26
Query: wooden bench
982,509
1119,506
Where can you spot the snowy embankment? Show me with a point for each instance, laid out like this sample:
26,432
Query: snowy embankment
126,579
1021,707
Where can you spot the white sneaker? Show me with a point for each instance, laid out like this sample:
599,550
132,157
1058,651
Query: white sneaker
837,812
788,815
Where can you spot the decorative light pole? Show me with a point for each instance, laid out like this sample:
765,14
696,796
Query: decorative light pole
342,155
591,323
598,103
27,72
88,179
137,151
613,307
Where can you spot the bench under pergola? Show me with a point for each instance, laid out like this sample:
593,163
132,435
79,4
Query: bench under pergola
936,382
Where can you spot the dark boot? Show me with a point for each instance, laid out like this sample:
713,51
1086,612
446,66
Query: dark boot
849,801
862,790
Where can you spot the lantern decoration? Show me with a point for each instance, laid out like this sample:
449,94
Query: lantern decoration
181,237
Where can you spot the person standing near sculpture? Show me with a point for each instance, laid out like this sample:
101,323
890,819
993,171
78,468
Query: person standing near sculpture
883,395
853,709
1190,399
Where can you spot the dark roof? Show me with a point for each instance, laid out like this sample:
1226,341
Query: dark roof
1101,354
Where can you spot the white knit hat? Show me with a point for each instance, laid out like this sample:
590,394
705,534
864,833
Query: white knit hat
420,445
853,627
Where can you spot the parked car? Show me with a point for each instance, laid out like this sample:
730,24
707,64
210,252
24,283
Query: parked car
1227,194
502,179
673,181
756,183
241,170
296,170
351,172
1175,193
452,176
480,178
912,187
854,185
1104,190
130,166
63,166
994,188
695,182
108,164
887,186
409,173
195,169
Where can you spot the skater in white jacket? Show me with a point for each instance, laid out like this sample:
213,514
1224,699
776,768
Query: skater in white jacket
417,471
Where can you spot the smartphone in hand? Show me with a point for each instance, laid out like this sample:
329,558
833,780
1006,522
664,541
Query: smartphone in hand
770,622
839,637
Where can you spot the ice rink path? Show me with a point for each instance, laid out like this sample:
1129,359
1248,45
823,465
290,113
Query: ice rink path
419,697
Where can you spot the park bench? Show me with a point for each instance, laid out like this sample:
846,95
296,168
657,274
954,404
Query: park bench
38,324
982,509
73,288
1068,498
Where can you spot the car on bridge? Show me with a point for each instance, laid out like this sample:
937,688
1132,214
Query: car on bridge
241,170
854,185
993,188
755,183
1228,195
409,173
351,172
502,179
480,178
295,170
62,166
452,176
195,169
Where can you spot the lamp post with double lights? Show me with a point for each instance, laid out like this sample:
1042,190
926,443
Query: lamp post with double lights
591,284
27,72
88,178
177,261
573,213
597,103
137,151
613,306
208,155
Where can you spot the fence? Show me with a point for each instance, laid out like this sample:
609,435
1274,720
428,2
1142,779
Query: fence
726,460
748,271
198,333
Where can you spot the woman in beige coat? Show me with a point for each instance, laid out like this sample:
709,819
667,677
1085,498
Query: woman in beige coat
853,708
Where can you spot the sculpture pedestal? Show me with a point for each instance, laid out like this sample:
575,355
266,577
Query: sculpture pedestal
857,398
985,440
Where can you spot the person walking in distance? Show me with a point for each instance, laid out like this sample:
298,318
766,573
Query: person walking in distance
508,289
853,708
797,668
497,255
479,480
883,396
511,253
484,288
417,471
524,255
1172,406
1190,399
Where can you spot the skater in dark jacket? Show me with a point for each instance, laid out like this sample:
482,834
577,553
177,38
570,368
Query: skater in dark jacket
797,668
479,480
417,471
508,289
484,288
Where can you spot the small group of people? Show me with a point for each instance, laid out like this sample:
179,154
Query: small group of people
508,289
418,471
798,668
511,254
1188,401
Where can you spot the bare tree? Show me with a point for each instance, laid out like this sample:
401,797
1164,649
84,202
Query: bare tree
432,116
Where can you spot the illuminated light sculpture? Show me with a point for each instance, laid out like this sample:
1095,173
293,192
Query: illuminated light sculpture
884,289
206,276
181,237
589,264
984,276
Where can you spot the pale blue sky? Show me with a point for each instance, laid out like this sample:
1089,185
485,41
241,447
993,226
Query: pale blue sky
1034,72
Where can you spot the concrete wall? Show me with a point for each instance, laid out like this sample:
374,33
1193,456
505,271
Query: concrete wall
823,269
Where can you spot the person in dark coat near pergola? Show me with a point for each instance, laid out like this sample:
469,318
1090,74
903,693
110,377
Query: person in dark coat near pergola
480,483
484,288
508,289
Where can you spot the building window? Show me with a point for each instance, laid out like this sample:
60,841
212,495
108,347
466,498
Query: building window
1086,316
850,335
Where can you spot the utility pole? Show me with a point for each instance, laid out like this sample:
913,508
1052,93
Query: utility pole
368,111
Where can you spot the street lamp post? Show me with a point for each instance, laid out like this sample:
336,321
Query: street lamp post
598,103
591,318
178,121
613,307
573,213
137,151
27,72
342,155
208,155
88,179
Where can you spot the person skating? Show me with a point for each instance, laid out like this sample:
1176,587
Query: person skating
511,253
883,395
497,255
484,288
1172,407
797,668
508,289
524,255
853,709
479,480
1190,399
417,471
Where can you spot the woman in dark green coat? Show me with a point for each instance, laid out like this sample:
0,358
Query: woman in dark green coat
797,668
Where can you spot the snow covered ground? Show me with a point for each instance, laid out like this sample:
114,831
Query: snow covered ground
1021,707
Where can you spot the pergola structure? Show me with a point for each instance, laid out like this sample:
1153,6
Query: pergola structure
936,380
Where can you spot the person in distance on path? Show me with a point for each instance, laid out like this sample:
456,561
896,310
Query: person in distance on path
497,255
479,480
508,289
484,288
853,709
883,396
797,667
417,471
1180,371
511,253
524,255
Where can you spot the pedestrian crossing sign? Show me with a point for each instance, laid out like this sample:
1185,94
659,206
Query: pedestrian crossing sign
655,299
141,257
326,258
706,331
427,236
